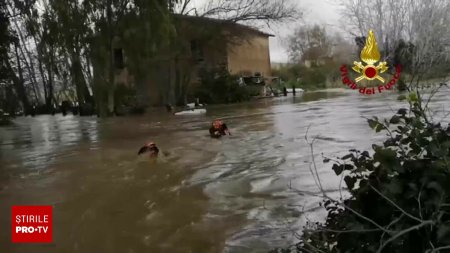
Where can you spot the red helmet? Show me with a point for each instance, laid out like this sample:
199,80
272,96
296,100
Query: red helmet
150,144
217,123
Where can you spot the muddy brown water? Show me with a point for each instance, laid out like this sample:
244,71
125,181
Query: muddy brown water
237,194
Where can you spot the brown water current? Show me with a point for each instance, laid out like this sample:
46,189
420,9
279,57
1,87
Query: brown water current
237,194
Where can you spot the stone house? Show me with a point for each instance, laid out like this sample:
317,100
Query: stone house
203,43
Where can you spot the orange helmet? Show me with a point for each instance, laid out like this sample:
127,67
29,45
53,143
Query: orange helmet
150,144
217,123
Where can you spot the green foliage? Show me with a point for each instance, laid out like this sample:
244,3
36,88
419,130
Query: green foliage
399,194
403,55
126,101
313,78
217,86
401,85
124,95
5,41
5,119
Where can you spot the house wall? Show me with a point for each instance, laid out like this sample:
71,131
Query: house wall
163,86
308,63
123,77
214,56
252,55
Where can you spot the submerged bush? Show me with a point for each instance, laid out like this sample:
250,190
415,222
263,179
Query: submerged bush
126,101
217,86
313,78
400,194
5,118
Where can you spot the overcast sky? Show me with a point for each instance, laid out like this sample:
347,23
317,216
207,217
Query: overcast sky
324,12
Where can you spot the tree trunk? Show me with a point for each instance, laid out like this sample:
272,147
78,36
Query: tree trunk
75,81
173,82
111,105
88,70
98,59
44,81
111,86
178,90
18,83
78,80
183,80
185,86
49,97
35,89
100,89
29,66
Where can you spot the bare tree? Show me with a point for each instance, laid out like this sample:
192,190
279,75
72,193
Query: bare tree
412,33
251,10
423,24
185,7
307,39
269,11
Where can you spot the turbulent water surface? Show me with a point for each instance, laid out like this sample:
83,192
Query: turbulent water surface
249,192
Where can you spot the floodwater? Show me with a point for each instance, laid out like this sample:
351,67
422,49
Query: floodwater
249,192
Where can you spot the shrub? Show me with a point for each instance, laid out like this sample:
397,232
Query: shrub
126,101
5,119
400,194
217,86
315,77
401,85
312,78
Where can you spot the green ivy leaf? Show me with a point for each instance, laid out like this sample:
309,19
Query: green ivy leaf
395,119
443,233
386,156
372,123
375,147
401,98
402,111
378,128
346,157
445,144
412,97
435,186
350,181
394,187
418,124
415,148
338,169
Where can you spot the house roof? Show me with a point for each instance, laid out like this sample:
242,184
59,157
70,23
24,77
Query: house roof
222,22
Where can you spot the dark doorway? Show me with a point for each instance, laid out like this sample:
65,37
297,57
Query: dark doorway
118,58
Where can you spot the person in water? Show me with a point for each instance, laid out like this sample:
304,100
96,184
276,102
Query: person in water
149,148
218,129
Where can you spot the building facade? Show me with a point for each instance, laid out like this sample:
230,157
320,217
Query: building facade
202,44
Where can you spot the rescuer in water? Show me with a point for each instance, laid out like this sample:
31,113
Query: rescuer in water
150,148
218,129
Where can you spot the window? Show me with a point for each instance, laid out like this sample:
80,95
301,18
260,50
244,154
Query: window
194,46
197,51
118,58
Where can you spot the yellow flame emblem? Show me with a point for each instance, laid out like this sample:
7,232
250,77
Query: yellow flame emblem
370,55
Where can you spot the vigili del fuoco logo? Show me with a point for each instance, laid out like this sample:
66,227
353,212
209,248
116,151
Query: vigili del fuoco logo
370,71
